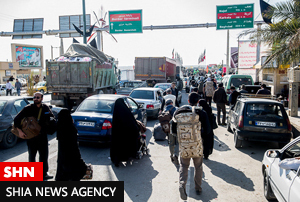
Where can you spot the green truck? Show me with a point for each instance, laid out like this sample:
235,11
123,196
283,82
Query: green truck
81,72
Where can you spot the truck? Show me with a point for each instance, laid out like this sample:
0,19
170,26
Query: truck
155,68
79,73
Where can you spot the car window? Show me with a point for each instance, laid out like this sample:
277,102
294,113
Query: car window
2,105
264,109
14,111
96,106
237,107
239,81
132,104
142,94
19,105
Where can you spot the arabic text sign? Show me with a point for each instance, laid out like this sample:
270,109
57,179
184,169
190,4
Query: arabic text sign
125,22
28,56
247,54
235,16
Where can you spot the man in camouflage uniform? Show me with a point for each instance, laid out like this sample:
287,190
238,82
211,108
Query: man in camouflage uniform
185,161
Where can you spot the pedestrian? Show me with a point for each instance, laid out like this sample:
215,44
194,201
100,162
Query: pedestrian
169,95
162,101
233,96
18,86
208,140
190,144
40,142
175,92
243,89
263,90
209,90
200,88
285,92
220,99
70,165
172,140
8,88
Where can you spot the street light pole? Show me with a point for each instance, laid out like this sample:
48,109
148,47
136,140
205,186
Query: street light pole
227,56
84,22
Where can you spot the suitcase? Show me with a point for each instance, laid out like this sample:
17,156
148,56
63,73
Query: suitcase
158,133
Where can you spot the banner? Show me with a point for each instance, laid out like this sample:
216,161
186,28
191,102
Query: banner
28,56
247,54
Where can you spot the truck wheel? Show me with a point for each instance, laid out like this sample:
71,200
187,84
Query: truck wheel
237,142
9,139
269,195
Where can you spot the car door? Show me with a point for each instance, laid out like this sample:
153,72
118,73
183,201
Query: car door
133,107
294,189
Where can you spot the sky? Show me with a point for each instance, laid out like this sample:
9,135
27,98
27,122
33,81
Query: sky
189,43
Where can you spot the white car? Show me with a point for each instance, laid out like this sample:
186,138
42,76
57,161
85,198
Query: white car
149,98
281,184
3,90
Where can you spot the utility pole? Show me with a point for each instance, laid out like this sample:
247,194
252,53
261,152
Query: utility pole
84,22
227,55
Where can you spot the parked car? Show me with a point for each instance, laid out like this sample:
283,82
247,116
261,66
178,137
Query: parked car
41,87
3,90
149,98
93,117
128,86
23,82
165,86
281,184
10,106
257,119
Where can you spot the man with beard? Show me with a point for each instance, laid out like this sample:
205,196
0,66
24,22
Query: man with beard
40,142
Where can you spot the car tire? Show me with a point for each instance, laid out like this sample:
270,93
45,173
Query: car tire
9,140
145,120
268,193
237,142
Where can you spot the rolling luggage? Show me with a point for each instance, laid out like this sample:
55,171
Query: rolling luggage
158,133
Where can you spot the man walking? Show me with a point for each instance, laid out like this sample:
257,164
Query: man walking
233,96
18,86
263,90
175,92
190,144
220,99
173,143
8,88
39,143
209,90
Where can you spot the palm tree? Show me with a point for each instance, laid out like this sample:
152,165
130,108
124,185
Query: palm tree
283,36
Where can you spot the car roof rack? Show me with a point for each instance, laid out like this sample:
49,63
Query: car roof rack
260,96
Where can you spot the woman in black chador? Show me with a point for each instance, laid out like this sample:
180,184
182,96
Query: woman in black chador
125,134
208,141
70,166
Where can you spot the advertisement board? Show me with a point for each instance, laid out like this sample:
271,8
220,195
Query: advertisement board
28,56
247,54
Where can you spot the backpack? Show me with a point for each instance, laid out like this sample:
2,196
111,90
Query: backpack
164,119
209,89
189,134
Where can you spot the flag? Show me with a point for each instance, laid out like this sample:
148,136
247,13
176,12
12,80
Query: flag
75,41
207,69
93,43
173,54
265,7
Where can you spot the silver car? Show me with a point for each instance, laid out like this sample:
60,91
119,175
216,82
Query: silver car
149,98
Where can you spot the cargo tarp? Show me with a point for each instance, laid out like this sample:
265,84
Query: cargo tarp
83,50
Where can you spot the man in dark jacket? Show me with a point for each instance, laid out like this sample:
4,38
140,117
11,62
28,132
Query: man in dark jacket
40,142
175,92
233,96
263,90
220,99
185,162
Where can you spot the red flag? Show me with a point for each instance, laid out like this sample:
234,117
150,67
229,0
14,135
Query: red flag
207,69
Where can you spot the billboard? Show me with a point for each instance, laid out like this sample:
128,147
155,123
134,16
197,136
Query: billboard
234,57
247,54
28,56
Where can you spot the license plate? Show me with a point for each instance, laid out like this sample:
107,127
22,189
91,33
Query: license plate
83,123
270,124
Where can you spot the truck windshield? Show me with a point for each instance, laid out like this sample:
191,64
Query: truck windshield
142,94
239,81
96,106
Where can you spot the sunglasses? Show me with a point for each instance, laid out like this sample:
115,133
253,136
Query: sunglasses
36,97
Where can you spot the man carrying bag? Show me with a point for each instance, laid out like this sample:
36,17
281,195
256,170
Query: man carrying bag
39,143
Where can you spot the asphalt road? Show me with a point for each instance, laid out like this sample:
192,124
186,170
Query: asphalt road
230,174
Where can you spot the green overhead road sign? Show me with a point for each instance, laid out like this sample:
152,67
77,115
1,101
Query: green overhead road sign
121,22
235,16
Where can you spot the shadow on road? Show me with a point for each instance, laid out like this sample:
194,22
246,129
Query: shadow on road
219,145
230,175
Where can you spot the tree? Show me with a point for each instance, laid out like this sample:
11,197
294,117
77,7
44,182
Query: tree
283,35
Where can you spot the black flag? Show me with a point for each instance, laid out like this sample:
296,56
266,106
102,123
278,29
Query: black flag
93,43
87,33
75,41
265,7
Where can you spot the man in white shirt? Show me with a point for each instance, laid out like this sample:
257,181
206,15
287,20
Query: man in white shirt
169,95
8,88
